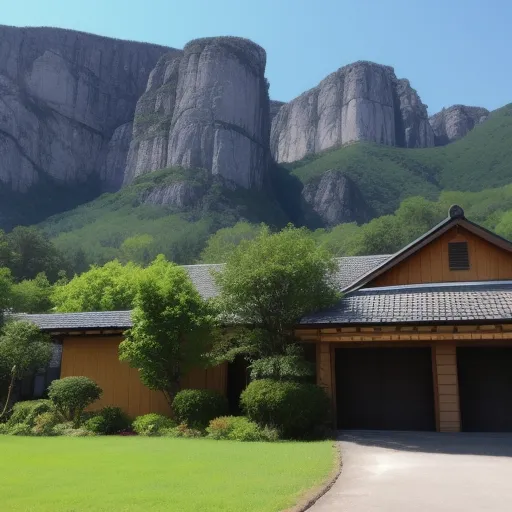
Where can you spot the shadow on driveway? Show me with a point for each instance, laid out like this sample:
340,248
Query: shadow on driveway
488,444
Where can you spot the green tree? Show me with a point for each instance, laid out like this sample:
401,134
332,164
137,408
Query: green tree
23,350
137,249
5,291
340,240
171,331
223,242
108,288
32,295
268,285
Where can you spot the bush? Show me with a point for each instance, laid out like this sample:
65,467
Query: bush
197,407
45,423
151,424
27,412
4,429
108,421
181,430
239,428
296,409
72,395
66,429
20,429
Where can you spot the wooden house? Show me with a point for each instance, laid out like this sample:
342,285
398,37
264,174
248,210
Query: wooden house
421,340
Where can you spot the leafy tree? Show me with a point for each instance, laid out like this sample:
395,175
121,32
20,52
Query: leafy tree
137,249
32,295
223,242
23,350
32,253
5,291
171,330
108,288
268,284
341,240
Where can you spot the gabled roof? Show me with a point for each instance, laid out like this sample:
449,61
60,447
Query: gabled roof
424,303
456,218
80,321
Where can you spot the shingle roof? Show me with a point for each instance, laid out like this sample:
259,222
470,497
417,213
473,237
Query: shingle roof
438,302
80,321
201,276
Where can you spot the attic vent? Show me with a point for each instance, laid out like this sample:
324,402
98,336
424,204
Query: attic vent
458,255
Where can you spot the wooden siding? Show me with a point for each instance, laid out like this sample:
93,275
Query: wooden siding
97,357
430,264
447,387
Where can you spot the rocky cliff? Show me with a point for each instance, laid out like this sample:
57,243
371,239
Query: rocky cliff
66,103
206,108
359,102
454,122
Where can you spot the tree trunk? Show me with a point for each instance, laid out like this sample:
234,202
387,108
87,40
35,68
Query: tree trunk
9,391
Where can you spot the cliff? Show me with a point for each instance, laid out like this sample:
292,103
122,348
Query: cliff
206,108
66,101
454,122
360,102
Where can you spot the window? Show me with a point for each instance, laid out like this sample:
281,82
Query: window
458,256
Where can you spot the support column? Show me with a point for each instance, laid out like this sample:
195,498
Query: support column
324,377
447,388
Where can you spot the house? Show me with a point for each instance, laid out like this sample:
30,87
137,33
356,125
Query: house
421,340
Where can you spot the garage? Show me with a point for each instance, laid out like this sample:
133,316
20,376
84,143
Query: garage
384,389
485,388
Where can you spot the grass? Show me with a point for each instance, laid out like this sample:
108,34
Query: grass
157,474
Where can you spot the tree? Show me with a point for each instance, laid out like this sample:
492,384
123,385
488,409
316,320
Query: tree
267,286
5,291
223,242
108,288
23,350
32,295
172,328
137,249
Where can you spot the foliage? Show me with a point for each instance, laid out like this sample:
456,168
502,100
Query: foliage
181,430
289,366
28,411
20,429
197,407
295,409
137,249
171,328
108,288
71,395
109,420
240,428
157,474
32,295
268,284
151,424
5,291
45,423
221,244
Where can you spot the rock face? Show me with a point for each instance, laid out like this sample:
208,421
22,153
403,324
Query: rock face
454,122
66,101
336,199
180,194
207,108
274,108
359,102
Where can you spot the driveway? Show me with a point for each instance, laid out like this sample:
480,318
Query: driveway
422,472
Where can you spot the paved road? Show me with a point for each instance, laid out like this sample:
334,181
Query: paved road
420,472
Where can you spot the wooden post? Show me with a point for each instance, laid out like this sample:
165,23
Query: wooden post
447,388
324,370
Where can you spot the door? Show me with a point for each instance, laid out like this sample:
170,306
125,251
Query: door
485,388
385,389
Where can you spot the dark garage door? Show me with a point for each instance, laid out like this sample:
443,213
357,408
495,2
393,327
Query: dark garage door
385,389
485,388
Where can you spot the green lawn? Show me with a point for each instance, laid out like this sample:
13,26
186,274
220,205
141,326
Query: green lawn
156,474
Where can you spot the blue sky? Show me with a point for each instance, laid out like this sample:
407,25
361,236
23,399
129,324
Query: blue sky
452,51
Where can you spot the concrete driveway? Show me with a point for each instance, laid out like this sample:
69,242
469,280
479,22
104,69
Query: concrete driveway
423,472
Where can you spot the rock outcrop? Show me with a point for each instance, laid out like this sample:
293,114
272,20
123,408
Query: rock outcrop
359,102
65,100
274,108
207,108
335,198
454,122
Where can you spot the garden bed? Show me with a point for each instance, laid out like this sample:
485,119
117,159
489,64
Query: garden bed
140,473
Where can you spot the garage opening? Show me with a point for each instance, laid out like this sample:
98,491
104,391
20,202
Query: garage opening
485,388
385,389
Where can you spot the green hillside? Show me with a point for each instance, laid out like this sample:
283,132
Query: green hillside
387,175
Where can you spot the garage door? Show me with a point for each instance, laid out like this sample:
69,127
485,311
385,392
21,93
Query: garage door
385,389
485,388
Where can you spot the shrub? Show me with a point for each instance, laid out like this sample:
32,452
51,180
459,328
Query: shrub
197,407
72,395
66,429
45,423
20,429
27,412
181,430
295,409
4,429
108,421
151,424
239,428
